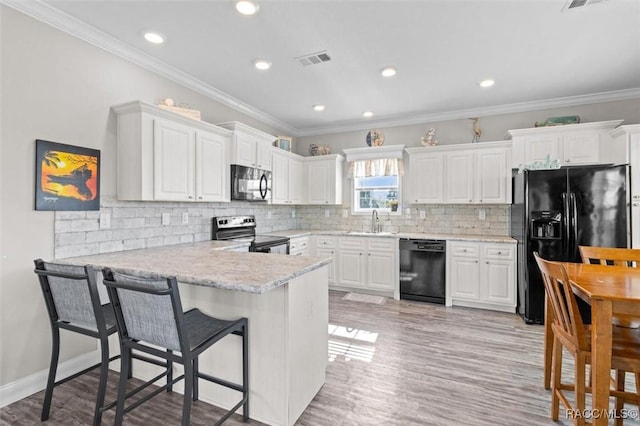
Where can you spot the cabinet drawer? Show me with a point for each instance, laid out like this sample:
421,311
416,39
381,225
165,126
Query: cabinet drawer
464,249
380,244
325,242
300,243
351,243
499,252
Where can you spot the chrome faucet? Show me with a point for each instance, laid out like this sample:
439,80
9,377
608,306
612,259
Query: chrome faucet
375,226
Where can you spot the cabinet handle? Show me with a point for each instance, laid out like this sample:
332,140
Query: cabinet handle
636,204
369,254
499,252
476,262
199,198
487,262
568,160
190,197
469,200
480,200
331,251
416,201
360,254
464,250
326,202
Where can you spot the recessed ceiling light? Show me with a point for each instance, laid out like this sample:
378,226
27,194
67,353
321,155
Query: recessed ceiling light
388,71
154,38
487,83
262,64
247,7
318,107
367,114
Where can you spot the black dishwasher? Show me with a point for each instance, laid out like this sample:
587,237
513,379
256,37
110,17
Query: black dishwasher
423,270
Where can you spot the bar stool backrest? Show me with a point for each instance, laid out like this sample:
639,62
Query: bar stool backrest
146,310
70,292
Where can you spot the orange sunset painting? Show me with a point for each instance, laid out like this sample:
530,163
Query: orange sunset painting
67,177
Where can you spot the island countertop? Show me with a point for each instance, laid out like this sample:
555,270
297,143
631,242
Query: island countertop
203,264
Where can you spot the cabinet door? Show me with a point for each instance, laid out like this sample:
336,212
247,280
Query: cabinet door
427,178
465,278
296,180
263,154
498,282
244,150
491,179
581,148
212,167
331,253
318,183
381,268
173,161
459,183
280,179
351,268
634,159
537,148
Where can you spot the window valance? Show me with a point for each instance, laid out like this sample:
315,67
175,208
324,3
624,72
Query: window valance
375,161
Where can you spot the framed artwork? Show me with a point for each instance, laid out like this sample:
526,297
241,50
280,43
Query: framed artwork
67,177
284,142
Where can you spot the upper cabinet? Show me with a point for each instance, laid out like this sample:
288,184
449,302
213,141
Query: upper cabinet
572,144
250,147
163,156
287,178
461,174
324,179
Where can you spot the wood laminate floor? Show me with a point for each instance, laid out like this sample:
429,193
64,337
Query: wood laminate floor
399,363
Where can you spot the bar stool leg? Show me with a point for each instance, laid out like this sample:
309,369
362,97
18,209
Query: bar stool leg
125,362
188,389
53,367
195,379
245,371
102,385
169,373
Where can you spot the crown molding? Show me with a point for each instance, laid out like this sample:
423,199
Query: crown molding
64,22
43,12
617,95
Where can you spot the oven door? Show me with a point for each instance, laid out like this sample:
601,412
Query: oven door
273,249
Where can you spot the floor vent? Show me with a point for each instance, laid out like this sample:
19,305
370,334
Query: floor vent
313,58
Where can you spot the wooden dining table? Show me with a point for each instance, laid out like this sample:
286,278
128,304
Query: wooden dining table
609,290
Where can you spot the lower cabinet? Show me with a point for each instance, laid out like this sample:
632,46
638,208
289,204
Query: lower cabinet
299,246
365,264
481,275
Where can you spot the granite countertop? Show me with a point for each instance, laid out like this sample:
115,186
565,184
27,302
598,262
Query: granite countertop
290,233
208,264
413,235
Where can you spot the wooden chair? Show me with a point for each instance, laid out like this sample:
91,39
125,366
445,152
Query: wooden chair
624,257
150,319
570,333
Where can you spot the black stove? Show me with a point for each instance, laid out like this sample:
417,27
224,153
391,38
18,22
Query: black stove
243,229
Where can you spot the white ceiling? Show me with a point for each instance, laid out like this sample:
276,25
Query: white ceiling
539,55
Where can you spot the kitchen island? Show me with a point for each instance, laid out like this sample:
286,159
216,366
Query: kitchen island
285,299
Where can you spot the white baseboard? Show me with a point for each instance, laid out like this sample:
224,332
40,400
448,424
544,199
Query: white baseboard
15,391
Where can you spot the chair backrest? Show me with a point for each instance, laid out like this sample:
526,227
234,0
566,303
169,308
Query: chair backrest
71,294
559,291
610,256
147,310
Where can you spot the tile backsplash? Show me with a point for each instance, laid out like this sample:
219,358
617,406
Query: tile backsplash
136,224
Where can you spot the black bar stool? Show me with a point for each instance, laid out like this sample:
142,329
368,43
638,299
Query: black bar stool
149,312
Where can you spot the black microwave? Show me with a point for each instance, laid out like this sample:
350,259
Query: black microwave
250,184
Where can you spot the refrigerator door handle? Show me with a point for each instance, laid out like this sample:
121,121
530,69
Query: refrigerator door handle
574,225
567,225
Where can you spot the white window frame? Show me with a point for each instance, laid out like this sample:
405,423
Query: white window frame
355,201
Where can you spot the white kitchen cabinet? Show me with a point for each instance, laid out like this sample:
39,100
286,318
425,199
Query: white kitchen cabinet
324,179
426,178
573,144
299,246
481,275
626,144
461,174
367,264
287,178
325,246
163,156
251,147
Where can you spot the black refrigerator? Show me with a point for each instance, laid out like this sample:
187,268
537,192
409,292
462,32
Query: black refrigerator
555,211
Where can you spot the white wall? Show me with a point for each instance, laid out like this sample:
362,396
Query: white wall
58,88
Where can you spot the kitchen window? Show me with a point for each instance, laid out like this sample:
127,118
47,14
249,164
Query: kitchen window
376,178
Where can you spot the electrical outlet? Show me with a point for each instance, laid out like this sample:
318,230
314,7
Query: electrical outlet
423,214
293,214
166,219
269,214
407,211
482,215
185,218
105,221
327,213
345,213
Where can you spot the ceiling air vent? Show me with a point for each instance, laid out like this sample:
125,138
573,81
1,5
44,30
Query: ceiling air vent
572,4
313,58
